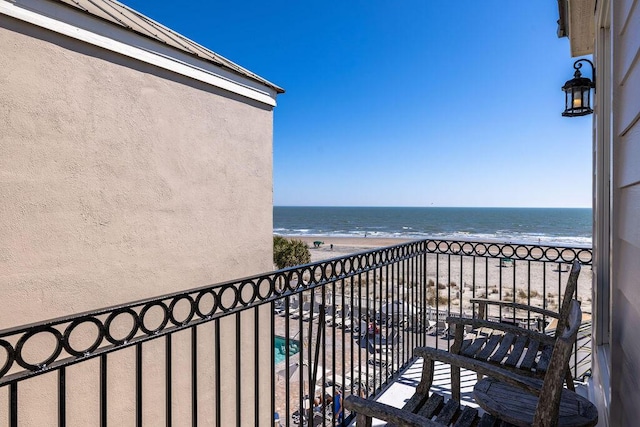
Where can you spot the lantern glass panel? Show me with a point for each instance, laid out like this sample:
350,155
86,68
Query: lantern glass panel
586,97
577,97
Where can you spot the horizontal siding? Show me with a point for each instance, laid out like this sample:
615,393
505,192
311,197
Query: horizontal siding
628,105
628,155
629,219
621,12
626,350
625,293
628,47
626,66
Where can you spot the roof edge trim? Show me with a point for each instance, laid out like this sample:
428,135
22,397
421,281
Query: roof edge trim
562,19
581,26
267,96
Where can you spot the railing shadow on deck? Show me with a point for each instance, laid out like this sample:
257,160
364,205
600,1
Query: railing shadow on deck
347,324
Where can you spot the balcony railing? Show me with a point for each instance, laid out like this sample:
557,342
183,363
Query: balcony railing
345,325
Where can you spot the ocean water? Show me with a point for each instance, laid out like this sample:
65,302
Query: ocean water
557,226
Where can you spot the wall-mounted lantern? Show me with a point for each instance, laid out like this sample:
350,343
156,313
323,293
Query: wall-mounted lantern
577,92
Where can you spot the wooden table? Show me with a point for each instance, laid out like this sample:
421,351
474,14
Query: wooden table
515,406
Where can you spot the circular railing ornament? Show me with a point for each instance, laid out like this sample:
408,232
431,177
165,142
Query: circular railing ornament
265,287
172,308
19,357
9,357
135,322
199,301
72,327
552,254
252,290
163,322
226,292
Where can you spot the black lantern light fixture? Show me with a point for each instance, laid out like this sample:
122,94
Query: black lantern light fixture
577,92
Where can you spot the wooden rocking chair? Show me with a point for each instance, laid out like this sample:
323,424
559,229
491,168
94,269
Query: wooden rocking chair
505,395
523,351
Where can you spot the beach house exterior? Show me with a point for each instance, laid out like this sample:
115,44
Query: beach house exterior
134,163
610,30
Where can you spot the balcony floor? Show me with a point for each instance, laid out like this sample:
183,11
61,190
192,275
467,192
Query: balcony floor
403,388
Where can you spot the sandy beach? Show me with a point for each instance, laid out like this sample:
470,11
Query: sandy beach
345,245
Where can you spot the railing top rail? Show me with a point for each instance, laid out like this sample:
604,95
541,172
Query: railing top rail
210,302
370,259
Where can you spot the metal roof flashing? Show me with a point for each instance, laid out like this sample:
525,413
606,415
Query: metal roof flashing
113,26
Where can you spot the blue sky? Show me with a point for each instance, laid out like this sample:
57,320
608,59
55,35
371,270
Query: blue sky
407,103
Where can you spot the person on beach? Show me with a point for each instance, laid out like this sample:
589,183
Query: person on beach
373,328
337,406
317,404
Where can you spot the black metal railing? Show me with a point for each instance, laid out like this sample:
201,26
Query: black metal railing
344,325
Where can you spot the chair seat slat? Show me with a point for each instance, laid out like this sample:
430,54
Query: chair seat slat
475,347
467,417
432,406
515,354
545,357
530,357
448,412
502,351
490,347
465,344
415,402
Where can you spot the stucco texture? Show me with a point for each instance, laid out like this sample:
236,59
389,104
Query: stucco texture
121,181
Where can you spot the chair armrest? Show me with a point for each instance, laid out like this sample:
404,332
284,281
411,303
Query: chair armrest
503,327
515,305
387,413
531,385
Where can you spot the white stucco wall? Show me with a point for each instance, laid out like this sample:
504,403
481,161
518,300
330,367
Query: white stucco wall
121,181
